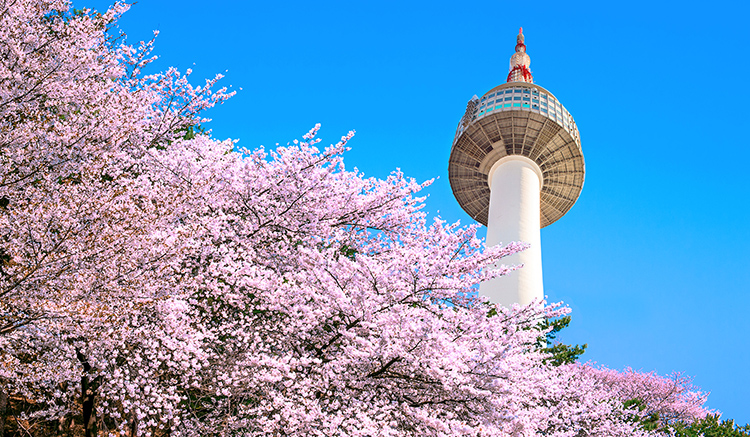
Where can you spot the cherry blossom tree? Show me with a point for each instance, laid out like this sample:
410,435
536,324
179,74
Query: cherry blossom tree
79,125
78,121
156,283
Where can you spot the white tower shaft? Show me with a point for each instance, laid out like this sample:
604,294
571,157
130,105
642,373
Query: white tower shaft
515,185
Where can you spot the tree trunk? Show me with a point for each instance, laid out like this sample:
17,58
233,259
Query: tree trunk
88,395
3,409
87,399
133,425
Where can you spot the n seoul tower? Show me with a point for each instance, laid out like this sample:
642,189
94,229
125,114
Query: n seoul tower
516,166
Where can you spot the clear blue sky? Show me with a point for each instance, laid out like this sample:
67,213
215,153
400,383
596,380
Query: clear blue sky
654,258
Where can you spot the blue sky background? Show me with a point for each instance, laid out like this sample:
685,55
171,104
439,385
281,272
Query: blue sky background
654,258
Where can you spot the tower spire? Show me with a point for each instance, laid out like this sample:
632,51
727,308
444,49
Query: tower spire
519,62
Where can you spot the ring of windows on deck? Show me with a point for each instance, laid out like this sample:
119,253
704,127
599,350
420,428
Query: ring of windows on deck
525,98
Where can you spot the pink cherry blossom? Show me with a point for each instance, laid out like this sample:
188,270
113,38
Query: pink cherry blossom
156,281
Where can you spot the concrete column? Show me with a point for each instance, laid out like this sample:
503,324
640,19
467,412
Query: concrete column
515,185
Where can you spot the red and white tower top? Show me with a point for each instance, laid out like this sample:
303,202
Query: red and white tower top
519,62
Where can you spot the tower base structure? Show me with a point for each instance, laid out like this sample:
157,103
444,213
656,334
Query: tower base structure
515,185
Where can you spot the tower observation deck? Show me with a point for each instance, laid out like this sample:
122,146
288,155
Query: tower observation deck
516,166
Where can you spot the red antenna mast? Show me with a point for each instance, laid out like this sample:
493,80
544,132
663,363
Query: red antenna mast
519,62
